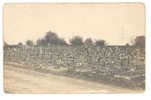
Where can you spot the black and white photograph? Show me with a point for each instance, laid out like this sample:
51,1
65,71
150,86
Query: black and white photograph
74,47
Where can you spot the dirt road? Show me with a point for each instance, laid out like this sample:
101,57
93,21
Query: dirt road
18,80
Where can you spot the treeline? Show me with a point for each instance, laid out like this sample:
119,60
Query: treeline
51,38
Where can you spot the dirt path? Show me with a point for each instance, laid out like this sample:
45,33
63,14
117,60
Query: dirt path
18,80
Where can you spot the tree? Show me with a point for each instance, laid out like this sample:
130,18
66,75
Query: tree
61,42
76,41
51,38
139,42
88,41
20,44
100,43
41,42
29,43
38,42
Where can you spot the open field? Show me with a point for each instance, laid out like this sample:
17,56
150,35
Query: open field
19,80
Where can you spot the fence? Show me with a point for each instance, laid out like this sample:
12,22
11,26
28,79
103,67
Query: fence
80,57
124,62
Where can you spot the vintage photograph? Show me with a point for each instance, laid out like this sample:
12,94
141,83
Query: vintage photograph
74,47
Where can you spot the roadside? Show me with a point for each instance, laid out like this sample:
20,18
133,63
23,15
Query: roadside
18,80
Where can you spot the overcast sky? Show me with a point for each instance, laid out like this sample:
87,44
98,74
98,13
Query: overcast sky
115,23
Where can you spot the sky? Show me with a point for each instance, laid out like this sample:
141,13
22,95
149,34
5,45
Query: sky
116,23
